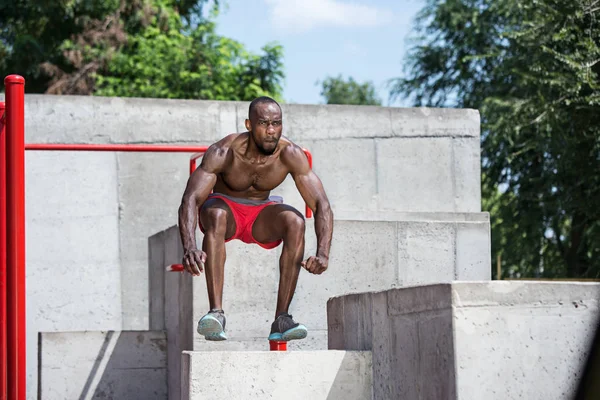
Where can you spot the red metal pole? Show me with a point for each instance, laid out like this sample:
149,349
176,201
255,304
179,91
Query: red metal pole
3,349
15,237
307,209
193,159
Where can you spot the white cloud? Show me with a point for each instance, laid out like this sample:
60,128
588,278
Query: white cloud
303,15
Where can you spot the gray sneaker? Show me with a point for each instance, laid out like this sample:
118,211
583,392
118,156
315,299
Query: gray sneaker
284,328
212,326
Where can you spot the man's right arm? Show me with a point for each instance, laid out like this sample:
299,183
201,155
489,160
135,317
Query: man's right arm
199,186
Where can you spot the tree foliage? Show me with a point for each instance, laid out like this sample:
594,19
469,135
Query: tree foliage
142,48
336,90
532,69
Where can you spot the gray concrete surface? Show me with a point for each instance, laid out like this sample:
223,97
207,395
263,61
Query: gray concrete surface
365,255
471,340
178,311
103,365
315,375
73,268
89,214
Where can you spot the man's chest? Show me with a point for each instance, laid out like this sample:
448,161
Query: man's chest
245,174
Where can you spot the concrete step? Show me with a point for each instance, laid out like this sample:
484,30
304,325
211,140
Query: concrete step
314,375
471,340
365,256
128,365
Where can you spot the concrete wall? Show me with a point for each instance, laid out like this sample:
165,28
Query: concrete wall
466,340
171,302
315,375
89,214
365,255
73,266
103,365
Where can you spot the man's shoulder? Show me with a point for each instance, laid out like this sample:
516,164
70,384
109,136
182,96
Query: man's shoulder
227,141
291,153
218,154
222,146
288,147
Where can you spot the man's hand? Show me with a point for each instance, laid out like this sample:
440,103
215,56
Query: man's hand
316,265
193,261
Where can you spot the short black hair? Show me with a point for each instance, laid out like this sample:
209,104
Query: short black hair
261,100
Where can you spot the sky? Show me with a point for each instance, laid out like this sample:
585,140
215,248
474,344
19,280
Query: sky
365,39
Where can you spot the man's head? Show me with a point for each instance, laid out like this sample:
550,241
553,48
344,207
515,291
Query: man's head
265,123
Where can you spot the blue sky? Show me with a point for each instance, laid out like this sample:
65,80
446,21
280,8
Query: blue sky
359,38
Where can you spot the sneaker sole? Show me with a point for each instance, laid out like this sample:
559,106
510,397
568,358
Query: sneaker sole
216,337
297,333
211,328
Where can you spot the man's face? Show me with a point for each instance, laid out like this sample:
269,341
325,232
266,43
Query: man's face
266,126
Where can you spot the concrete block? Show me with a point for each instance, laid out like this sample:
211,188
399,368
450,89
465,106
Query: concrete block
73,278
186,119
141,192
426,252
431,252
73,241
70,184
451,134
145,204
178,309
72,296
314,122
348,170
404,216
466,172
103,365
534,338
415,174
473,250
434,122
267,375
156,281
384,383
365,256
465,340
111,119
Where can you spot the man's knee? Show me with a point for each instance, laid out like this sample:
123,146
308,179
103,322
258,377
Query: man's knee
214,220
294,224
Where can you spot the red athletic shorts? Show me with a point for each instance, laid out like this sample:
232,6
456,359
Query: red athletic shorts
244,213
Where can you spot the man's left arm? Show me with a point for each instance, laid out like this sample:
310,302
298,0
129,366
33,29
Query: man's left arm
311,189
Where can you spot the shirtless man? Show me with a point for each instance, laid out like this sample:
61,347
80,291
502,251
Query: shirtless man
242,169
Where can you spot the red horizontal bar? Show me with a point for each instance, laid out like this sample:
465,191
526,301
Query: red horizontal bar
116,147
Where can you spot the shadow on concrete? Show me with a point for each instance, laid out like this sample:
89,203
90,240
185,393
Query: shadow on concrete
589,385
135,368
111,365
354,379
94,371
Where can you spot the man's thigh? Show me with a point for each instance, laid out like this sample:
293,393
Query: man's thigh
207,213
270,224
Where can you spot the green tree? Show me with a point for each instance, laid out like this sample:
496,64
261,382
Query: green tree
142,48
532,69
336,90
